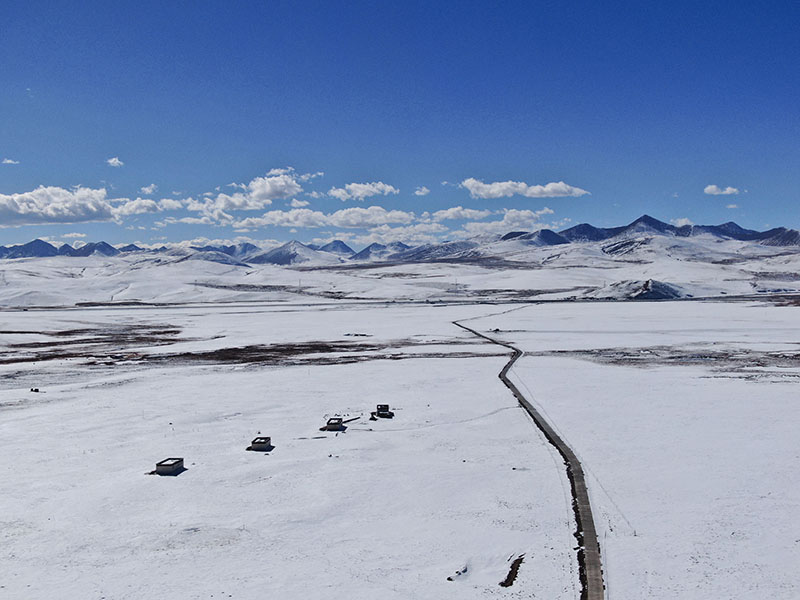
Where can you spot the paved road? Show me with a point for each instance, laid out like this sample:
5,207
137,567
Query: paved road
589,561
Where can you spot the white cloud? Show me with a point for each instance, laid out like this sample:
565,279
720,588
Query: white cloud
348,218
296,217
505,189
681,222
55,205
74,235
149,189
513,220
328,236
135,207
419,233
293,173
204,241
732,206
460,213
10,161
274,187
421,191
295,203
170,204
50,205
715,190
256,195
309,176
360,191
358,218
114,161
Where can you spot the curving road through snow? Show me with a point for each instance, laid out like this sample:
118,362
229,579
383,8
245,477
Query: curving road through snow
589,560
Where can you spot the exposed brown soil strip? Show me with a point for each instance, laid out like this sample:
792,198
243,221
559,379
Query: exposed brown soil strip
742,363
513,571
135,345
590,566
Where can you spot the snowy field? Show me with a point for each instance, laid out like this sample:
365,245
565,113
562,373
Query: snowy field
684,415
459,481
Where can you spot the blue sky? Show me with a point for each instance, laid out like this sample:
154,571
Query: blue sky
535,114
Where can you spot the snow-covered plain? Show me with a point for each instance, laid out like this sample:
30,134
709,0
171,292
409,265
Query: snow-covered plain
684,415
387,509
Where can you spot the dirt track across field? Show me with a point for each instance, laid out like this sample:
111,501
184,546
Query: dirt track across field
589,560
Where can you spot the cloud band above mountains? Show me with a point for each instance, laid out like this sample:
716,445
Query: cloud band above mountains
506,189
50,205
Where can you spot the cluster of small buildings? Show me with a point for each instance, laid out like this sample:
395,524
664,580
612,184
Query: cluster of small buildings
174,465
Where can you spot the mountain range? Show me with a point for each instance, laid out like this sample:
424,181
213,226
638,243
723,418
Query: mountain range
614,240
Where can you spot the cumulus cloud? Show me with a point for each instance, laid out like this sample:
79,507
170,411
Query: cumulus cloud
295,203
293,172
204,241
732,206
258,194
513,220
296,217
55,205
460,213
114,161
715,190
419,233
348,218
135,207
10,161
681,222
148,189
421,191
52,205
74,235
505,189
360,191
170,204
272,187
367,217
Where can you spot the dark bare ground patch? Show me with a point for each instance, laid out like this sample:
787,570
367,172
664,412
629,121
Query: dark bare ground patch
740,361
109,342
317,353
525,293
513,571
127,336
111,345
269,353
303,291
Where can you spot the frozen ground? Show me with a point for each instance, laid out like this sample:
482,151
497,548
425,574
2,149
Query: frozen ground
387,509
684,416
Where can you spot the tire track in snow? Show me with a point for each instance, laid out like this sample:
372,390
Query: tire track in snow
589,561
